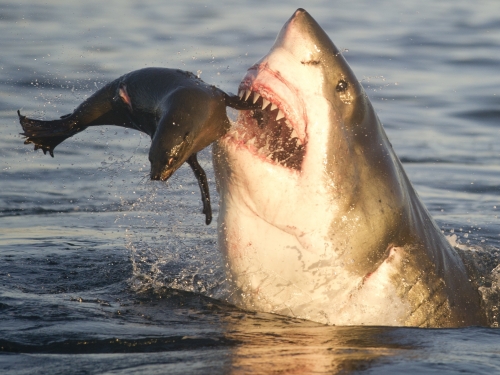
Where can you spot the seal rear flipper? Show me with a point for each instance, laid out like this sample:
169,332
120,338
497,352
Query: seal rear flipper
46,135
99,109
203,183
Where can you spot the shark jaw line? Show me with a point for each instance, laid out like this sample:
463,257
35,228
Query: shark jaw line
273,129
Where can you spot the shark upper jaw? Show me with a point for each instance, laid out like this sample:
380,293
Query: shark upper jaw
269,88
289,112
282,89
274,129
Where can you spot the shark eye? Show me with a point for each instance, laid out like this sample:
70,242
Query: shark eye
341,86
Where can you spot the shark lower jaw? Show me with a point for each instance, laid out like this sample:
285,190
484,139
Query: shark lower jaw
273,128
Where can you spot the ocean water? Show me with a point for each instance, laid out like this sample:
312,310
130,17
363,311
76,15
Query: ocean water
105,272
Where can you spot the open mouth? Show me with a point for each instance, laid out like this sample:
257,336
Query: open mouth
266,130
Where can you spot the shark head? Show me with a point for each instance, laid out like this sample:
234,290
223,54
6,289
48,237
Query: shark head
316,211
299,85
312,139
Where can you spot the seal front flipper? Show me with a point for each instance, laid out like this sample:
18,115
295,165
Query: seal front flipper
203,183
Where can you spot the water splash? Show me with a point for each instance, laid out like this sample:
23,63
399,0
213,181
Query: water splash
483,264
170,246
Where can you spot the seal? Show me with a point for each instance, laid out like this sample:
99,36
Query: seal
181,113
318,220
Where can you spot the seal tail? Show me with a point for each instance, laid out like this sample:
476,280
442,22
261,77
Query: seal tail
46,135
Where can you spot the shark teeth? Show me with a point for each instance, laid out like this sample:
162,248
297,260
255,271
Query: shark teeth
260,140
245,94
272,135
265,103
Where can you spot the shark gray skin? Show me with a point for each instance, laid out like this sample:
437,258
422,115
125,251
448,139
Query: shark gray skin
181,113
318,219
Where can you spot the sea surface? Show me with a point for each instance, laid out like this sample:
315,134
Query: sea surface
105,272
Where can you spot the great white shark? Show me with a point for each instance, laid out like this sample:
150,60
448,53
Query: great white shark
318,219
